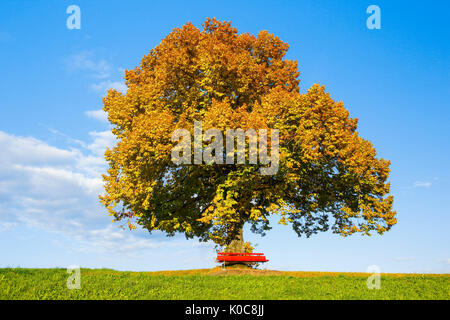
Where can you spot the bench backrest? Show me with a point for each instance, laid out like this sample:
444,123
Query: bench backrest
240,254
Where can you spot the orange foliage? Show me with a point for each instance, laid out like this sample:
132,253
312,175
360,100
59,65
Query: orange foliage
328,175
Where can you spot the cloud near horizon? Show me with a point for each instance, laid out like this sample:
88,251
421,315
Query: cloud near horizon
56,190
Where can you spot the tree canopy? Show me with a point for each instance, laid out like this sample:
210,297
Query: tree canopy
328,177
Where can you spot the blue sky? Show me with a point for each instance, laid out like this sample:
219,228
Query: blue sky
53,134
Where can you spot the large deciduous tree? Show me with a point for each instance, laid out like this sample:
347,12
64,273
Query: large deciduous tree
328,176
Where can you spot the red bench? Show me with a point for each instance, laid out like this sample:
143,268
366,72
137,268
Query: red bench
241,257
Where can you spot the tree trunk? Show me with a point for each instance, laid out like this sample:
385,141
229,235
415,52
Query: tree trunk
237,245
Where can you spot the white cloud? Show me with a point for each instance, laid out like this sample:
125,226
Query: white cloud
50,178
98,115
422,184
99,69
101,141
56,190
47,186
84,61
5,226
108,84
28,150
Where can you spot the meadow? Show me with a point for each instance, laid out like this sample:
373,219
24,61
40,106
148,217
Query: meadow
217,284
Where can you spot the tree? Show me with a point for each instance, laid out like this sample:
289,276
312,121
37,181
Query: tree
328,176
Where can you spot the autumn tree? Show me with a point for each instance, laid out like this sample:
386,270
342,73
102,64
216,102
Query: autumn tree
328,177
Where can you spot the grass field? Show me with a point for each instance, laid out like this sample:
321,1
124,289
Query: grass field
206,284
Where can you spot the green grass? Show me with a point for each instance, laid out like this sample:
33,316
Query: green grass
16,283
